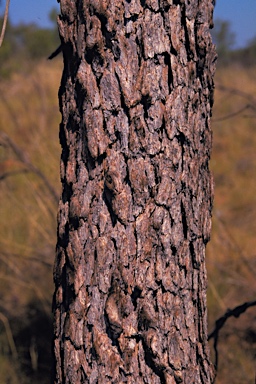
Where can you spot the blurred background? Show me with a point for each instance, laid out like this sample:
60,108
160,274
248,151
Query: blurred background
29,189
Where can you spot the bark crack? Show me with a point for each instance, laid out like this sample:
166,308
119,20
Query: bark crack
184,220
151,363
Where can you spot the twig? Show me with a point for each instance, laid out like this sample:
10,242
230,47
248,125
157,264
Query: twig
4,22
55,53
230,115
235,91
235,312
9,335
233,244
12,173
24,160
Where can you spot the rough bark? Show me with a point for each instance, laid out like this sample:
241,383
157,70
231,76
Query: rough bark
134,215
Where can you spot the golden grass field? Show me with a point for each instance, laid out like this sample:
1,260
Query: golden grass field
231,253
29,155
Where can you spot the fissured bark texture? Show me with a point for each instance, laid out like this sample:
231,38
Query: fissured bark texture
134,215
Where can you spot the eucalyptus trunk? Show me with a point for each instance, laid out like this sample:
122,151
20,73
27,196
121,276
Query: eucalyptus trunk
135,211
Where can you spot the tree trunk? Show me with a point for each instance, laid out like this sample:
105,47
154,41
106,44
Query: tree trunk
134,215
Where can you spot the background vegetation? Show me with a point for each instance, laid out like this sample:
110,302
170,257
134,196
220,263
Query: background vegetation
29,189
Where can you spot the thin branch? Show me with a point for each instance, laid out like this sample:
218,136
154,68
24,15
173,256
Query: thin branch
4,22
233,114
9,335
249,116
12,173
44,301
55,53
39,257
237,92
24,160
233,244
235,312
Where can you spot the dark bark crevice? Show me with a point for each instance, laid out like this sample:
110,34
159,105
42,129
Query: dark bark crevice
108,199
135,296
150,361
184,220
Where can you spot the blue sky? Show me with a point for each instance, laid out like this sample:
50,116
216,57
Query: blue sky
241,14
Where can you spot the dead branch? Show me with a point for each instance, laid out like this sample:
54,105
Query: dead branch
235,312
12,173
233,114
23,158
4,22
9,335
235,91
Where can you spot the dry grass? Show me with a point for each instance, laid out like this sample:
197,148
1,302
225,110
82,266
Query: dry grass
29,182
231,252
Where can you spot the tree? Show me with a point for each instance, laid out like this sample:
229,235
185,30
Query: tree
134,214
25,44
224,39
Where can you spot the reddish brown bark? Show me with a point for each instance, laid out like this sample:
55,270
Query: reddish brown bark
134,215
